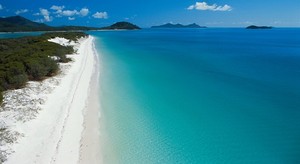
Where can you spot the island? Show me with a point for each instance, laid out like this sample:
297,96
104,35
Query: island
170,25
121,26
259,27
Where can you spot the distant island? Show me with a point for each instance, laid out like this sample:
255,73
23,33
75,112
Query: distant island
121,26
21,24
259,27
170,25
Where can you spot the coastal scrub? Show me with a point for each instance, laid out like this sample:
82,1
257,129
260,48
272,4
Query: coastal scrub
32,58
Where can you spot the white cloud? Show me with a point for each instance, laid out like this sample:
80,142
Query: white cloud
101,15
57,8
84,12
224,8
59,11
69,13
1,7
205,6
46,14
21,11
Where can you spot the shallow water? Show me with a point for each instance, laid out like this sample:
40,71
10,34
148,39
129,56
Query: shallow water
200,95
18,34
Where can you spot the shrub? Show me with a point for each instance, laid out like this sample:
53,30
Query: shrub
35,69
16,76
1,97
50,65
3,83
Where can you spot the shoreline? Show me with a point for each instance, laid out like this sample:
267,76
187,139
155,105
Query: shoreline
54,133
90,150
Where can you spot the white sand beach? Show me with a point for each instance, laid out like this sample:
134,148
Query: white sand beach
53,133
90,148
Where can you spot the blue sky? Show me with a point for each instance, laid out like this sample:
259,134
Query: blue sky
212,13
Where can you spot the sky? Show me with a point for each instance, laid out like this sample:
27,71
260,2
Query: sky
211,13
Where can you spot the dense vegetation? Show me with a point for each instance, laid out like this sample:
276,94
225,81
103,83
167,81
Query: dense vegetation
31,58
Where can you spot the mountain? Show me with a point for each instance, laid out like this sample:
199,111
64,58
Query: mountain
194,25
170,25
18,23
121,26
21,24
259,27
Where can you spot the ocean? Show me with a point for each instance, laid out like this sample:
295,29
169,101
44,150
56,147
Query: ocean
184,96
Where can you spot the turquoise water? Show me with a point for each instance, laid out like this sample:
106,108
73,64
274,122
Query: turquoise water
19,34
200,96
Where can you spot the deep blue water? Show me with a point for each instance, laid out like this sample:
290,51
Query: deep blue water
200,96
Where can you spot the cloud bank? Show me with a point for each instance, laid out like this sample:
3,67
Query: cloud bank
204,6
60,12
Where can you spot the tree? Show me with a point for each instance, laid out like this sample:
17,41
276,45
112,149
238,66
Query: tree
50,65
